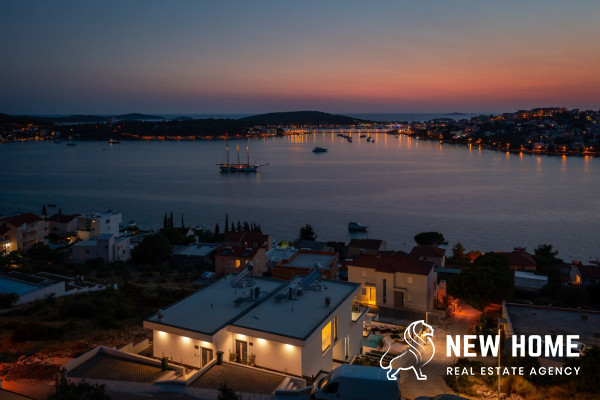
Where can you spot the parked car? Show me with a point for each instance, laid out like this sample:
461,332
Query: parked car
355,382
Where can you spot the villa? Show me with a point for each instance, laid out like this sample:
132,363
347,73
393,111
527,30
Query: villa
298,327
21,232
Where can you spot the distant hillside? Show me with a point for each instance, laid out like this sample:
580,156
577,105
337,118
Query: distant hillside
138,117
302,118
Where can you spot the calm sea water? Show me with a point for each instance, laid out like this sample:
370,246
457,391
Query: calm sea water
398,186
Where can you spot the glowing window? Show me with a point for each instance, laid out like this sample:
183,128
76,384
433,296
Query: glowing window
237,263
409,280
326,337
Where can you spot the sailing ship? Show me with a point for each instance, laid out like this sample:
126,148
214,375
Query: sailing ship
239,166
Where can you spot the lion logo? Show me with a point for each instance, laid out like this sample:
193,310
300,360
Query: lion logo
417,339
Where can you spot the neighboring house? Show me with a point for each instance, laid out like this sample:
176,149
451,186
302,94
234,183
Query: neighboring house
96,224
520,260
435,254
109,248
296,327
248,239
357,247
529,281
585,275
195,254
304,261
230,259
394,281
21,232
62,224
278,254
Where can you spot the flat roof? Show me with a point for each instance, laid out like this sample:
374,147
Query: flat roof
197,249
213,307
305,259
298,317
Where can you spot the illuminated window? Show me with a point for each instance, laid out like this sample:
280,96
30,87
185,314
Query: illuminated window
408,297
335,328
237,263
326,337
409,280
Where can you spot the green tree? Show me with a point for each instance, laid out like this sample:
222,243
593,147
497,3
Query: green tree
44,212
227,393
431,238
153,249
226,222
458,251
479,286
545,254
307,233
79,391
217,230
165,221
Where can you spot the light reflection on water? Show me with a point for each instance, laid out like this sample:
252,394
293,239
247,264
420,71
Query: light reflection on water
397,185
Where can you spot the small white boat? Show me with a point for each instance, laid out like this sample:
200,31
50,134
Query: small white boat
356,226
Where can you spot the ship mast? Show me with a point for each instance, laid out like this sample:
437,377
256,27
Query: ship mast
227,146
247,154
238,153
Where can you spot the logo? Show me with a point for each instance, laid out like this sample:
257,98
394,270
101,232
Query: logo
417,336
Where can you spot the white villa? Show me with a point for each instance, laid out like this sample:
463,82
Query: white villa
298,327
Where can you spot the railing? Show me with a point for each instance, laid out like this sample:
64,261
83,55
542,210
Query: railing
358,310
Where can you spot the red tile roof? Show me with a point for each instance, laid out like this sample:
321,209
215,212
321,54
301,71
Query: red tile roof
393,263
589,271
520,259
26,218
426,250
369,244
237,251
63,218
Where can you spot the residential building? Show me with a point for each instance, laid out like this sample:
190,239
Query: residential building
520,260
585,275
278,254
304,261
357,247
21,232
435,254
394,281
109,248
529,281
195,254
249,239
313,245
96,224
63,224
230,259
297,326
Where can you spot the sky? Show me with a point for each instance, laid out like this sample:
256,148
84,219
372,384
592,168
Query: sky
106,57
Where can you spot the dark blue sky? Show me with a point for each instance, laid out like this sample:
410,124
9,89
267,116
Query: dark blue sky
259,56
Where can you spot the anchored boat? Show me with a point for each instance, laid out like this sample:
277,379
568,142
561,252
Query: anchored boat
239,166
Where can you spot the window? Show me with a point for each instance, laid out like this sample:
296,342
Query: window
237,263
326,337
364,291
408,297
363,274
384,291
409,280
335,328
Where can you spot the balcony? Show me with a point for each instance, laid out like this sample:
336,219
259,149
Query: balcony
358,310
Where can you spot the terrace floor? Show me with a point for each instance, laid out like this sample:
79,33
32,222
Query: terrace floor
239,378
108,367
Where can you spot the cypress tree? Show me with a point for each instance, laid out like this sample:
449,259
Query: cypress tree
217,231
171,220
165,222
44,212
182,225
226,222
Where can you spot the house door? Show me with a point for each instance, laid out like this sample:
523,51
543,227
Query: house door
207,355
398,299
241,349
371,295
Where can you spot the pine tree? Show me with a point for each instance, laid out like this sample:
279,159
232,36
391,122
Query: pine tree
239,226
166,222
226,222
60,211
232,227
171,220
182,225
246,226
44,212
217,231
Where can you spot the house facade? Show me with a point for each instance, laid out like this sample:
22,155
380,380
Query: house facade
63,224
298,327
357,247
434,254
96,224
394,281
21,232
109,248
248,239
233,259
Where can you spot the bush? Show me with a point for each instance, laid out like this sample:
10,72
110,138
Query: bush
79,391
227,393
8,299
32,331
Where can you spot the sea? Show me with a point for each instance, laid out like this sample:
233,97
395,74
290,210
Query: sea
398,186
